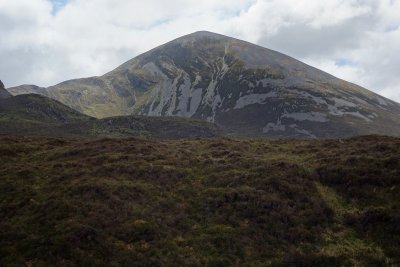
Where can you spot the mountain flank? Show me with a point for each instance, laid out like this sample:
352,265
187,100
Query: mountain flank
246,89
33,114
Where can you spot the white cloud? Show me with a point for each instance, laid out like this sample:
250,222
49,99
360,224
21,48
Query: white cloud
91,37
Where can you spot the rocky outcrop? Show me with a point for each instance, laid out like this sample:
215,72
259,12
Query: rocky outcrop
3,92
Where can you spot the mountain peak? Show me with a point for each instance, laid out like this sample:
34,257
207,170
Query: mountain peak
202,34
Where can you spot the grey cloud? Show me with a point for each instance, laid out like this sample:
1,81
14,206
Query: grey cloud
303,41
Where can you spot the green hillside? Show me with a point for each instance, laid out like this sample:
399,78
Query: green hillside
202,202
41,116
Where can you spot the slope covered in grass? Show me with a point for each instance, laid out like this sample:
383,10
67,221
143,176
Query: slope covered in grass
36,108
218,202
41,116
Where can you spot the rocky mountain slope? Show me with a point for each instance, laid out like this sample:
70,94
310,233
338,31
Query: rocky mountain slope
246,89
38,115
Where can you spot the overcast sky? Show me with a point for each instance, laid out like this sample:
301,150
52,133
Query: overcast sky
45,42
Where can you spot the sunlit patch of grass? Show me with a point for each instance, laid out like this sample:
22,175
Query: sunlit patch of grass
340,241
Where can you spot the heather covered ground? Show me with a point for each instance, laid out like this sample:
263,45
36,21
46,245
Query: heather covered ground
199,202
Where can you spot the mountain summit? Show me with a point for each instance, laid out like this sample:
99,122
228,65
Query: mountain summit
246,89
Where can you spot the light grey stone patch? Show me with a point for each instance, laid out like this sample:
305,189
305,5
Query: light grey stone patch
151,108
169,98
318,100
263,82
302,131
225,66
274,127
219,73
333,110
373,115
339,102
251,85
337,109
359,100
170,67
309,116
154,97
153,69
252,99
340,113
183,98
210,92
197,80
195,101
382,101
358,115
216,103
165,93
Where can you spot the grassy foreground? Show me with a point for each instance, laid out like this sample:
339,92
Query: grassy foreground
202,202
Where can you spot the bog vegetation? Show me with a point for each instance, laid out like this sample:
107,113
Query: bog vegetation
201,202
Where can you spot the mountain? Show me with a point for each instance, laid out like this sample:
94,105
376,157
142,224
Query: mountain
3,92
246,89
33,114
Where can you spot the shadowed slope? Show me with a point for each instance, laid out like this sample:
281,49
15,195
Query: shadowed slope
3,92
39,115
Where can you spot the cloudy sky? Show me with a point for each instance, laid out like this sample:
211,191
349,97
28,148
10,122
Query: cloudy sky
44,42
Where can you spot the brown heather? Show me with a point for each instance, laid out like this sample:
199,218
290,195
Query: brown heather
199,202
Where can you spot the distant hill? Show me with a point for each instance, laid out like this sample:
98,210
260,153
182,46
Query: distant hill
38,115
38,108
246,89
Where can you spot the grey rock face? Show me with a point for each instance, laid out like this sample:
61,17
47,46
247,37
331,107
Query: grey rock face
3,92
246,89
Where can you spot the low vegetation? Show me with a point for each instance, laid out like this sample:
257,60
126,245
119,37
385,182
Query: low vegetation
200,202
40,116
